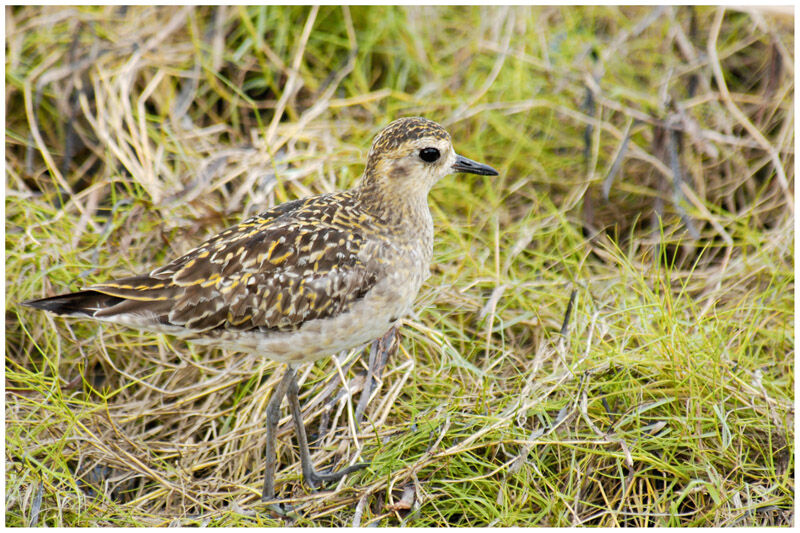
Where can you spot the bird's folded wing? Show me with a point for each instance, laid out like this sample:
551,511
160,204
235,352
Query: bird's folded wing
260,274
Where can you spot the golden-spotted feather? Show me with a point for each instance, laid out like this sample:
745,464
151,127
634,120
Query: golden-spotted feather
273,271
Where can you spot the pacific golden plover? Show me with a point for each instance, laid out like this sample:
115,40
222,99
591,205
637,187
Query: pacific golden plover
303,280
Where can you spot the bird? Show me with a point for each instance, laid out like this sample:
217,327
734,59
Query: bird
300,281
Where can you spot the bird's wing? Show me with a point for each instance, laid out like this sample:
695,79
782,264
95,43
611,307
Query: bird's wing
275,270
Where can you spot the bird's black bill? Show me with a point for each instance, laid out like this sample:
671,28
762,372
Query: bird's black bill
469,166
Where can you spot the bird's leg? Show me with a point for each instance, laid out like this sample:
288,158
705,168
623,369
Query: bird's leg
273,415
311,476
384,347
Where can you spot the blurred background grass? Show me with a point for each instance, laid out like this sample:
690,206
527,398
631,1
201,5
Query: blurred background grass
646,160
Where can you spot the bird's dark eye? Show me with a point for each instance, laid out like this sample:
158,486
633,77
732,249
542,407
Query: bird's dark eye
429,155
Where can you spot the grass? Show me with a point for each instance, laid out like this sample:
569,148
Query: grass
646,167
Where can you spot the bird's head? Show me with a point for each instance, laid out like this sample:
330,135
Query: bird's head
411,154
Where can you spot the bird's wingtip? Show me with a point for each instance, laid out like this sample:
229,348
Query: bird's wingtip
37,303
63,304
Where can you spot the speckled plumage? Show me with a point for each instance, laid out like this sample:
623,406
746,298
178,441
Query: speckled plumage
306,278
